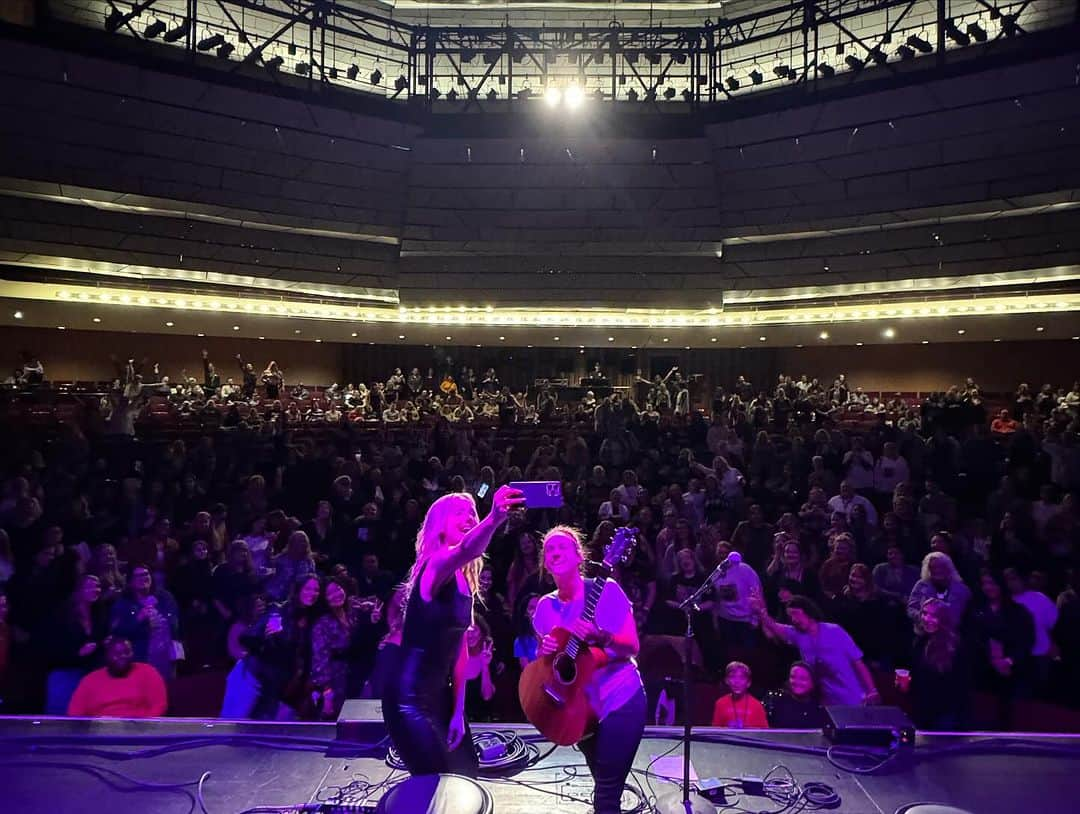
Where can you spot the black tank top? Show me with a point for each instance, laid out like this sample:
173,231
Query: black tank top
432,635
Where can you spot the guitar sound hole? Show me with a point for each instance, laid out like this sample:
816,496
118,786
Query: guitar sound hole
565,669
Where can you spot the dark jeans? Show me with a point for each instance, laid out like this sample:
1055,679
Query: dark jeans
610,752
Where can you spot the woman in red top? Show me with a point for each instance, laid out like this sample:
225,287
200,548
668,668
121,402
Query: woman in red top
738,709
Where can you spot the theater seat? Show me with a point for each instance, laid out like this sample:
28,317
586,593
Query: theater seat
197,696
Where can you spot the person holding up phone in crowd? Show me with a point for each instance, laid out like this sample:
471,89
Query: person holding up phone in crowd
424,708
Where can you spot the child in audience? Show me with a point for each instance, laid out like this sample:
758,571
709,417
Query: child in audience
739,709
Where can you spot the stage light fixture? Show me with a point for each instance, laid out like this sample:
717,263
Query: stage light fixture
210,43
492,57
574,97
275,62
653,57
180,31
781,71
1008,25
451,95
906,52
114,20
226,48
467,55
756,76
598,56
376,77
631,57
976,32
955,34
598,94
552,96
919,44
632,95
680,57
401,83
332,73
303,68
669,93
878,56
732,83
517,55
435,93
155,29
352,72
524,94
492,95
687,95
826,70
854,62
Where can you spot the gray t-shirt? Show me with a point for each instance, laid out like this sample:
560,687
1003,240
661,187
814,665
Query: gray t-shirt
617,681
832,654
733,592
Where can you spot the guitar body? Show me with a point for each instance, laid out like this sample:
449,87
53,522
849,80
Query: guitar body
552,693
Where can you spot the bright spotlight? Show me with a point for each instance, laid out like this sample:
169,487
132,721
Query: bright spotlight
574,96
553,96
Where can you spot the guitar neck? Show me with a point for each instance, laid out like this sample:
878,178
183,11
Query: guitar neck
592,598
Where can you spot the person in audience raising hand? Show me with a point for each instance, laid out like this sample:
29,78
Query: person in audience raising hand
836,660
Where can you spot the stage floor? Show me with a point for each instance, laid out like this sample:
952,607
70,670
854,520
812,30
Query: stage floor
256,765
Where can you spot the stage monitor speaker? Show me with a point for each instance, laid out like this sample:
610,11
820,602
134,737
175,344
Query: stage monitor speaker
360,721
869,726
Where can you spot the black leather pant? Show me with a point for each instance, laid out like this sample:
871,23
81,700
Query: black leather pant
418,727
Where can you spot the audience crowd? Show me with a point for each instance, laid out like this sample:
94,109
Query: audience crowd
923,554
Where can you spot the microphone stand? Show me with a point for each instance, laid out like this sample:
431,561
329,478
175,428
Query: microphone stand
680,801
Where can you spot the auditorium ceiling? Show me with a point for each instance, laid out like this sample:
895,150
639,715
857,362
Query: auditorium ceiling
947,210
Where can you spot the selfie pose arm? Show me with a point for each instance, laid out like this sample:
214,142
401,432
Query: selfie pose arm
475,542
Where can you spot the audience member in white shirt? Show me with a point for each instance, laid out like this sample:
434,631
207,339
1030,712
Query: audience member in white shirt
858,466
629,489
1045,614
847,500
614,509
891,469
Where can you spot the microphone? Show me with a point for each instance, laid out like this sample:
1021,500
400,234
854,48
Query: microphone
734,558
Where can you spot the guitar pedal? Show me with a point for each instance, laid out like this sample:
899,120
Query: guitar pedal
713,790
488,747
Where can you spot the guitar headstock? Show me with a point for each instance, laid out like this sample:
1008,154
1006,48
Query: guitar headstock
618,550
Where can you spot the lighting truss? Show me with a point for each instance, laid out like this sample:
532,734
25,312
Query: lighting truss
336,46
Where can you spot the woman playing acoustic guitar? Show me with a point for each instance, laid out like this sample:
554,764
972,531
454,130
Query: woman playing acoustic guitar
424,704
615,693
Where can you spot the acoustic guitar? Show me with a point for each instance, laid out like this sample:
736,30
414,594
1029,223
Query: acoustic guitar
552,688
